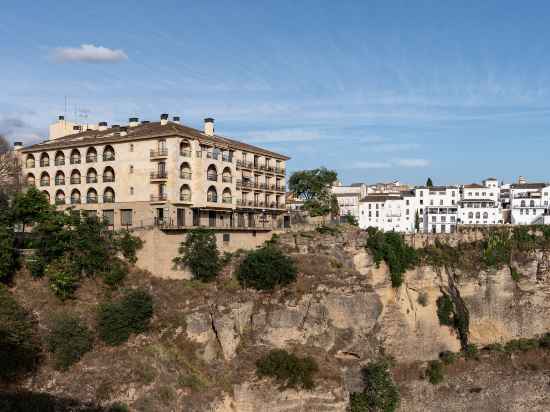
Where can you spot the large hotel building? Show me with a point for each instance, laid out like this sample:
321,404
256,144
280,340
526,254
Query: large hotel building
159,173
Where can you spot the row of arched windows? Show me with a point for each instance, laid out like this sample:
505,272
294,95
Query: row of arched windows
91,196
74,158
531,203
212,173
478,215
91,177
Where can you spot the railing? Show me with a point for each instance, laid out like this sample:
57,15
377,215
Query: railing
185,153
212,199
108,178
158,153
198,153
214,178
75,180
185,197
59,182
59,201
108,157
227,179
75,200
280,188
60,162
44,183
90,159
227,158
159,175
91,179
159,198
227,200
44,163
30,165
185,175
77,160
108,199
243,164
212,155
279,170
91,199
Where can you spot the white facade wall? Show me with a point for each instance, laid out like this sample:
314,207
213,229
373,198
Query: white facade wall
348,198
480,205
529,206
389,214
438,208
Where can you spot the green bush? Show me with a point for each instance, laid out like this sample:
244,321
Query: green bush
118,407
63,280
200,253
380,393
496,250
116,273
422,299
434,372
494,347
445,310
391,248
289,370
521,345
327,230
516,275
448,357
8,255
36,267
68,340
119,319
266,268
471,351
19,342
128,245
351,220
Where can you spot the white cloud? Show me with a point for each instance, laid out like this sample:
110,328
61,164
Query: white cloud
412,162
285,135
394,147
371,165
88,53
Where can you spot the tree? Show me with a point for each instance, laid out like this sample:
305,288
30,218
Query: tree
429,182
416,221
200,253
30,207
380,393
69,339
8,255
313,186
266,268
10,170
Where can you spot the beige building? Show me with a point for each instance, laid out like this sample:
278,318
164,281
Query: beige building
159,174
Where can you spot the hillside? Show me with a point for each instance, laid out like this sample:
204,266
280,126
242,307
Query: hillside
200,351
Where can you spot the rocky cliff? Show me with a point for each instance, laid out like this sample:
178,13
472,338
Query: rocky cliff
200,353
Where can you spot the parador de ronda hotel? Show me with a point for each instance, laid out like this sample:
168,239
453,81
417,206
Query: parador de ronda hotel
159,173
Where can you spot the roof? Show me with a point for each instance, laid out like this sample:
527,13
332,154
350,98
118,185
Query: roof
379,198
357,184
474,186
346,194
528,185
436,188
143,132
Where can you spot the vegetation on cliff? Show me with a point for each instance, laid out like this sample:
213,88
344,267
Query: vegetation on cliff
287,369
200,253
381,394
68,340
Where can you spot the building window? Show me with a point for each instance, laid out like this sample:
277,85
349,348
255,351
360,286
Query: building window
131,147
131,169
132,190
109,217
126,217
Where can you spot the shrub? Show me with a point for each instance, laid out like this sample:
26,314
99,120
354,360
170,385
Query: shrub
19,342
471,351
422,299
68,340
128,245
327,230
8,256
496,251
289,370
62,278
391,248
544,340
116,273
199,251
522,344
36,267
380,393
119,319
448,357
516,275
118,407
445,310
494,347
351,220
434,372
266,268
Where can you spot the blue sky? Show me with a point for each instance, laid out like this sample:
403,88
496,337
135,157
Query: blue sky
377,90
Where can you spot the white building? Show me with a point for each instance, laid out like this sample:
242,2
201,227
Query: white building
348,197
529,203
437,208
480,205
388,212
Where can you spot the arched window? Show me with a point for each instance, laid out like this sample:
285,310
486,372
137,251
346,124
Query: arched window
31,181
108,154
29,163
478,215
226,196
91,196
212,195
109,195
91,176
226,175
522,204
91,155
485,215
470,215
185,149
75,177
60,197
75,197
75,157
185,171
212,173
185,193
532,203
108,174
60,158
59,178
47,195
44,160
44,179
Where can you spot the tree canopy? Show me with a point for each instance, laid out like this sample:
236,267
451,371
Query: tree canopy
429,182
313,186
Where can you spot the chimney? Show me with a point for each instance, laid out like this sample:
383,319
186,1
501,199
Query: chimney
133,121
102,126
176,119
209,126
17,146
123,131
61,118
145,122
164,119
76,128
522,180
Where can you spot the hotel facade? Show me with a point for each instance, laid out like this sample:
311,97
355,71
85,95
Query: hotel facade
159,174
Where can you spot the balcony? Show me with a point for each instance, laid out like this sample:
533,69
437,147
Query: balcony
75,180
185,153
108,157
159,153
212,199
227,200
44,183
75,200
227,179
241,164
59,201
91,200
227,158
60,162
185,198
280,188
213,155
212,177
108,178
159,198
59,182
91,179
185,175
89,159
44,163
76,160
159,175
108,199
279,170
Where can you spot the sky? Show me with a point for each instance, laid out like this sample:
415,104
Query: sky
376,90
